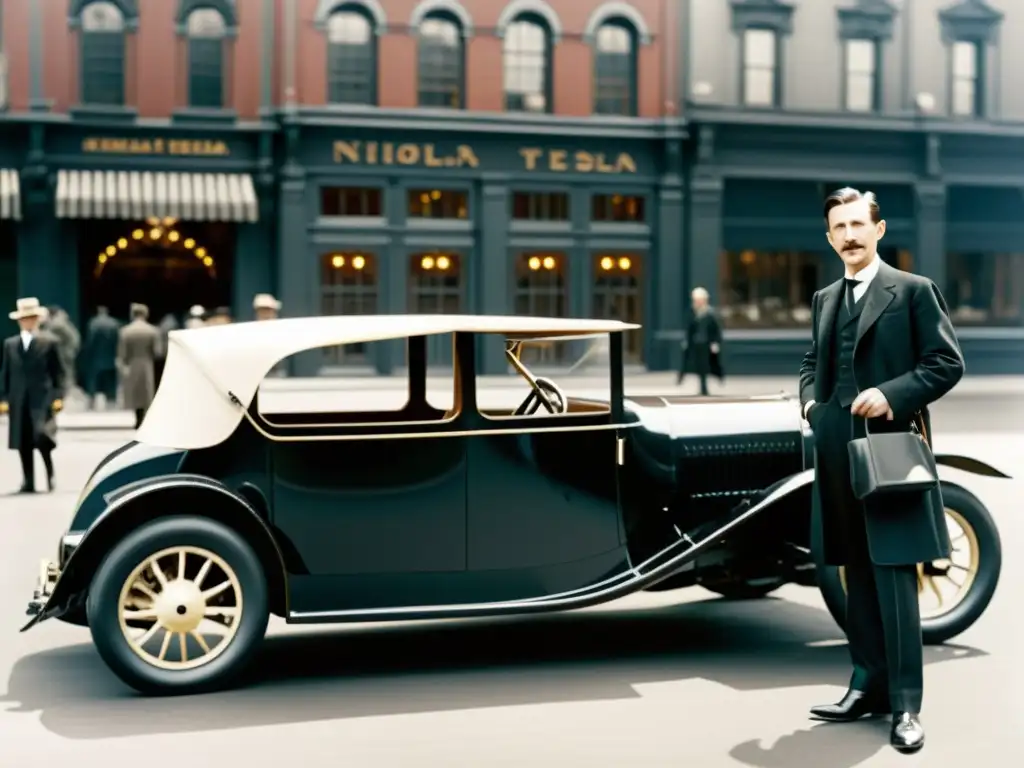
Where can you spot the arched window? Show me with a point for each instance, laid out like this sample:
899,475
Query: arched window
102,49
351,57
615,69
528,65
440,63
206,32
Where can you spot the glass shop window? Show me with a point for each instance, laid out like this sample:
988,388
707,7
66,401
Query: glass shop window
767,289
351,201
438,204
540,206
626,208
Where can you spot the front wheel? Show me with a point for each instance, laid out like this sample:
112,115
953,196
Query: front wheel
179,606
953,592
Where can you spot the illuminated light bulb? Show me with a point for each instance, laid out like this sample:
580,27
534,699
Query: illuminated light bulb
625,263
102,258
173,236
169,222
424,198
427,262
200,252
443,262
111,250
358,262
137,234
208,261
534,262
152,221
436,195
549,262
337,262
122,243
189,243
607,262
155,233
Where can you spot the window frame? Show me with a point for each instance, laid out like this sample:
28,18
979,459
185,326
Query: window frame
776,75
876,74
126,27
776,17
633,57
978,105
443,15
373,55
536,19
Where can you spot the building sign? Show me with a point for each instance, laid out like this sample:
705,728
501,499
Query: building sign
535,158
427,155
180,147
389,153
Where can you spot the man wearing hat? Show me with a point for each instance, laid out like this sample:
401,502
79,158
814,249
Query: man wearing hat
266,306
139,345
32,382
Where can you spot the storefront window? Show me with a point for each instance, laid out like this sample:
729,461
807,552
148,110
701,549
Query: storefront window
438,204
351,201
617,208
767,289
351,58
985,288
348,286
440,63
540,206
435,284
206,30
103,55
618,295
541,290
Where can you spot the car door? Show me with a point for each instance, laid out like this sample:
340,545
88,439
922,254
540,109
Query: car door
369,516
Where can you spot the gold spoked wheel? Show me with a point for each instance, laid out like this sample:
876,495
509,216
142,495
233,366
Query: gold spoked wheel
943,584
180,608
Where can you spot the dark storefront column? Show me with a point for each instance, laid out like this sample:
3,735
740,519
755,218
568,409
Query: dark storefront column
706,193
930,253
40,246
393,279
493,268
255,248
297,276
669,292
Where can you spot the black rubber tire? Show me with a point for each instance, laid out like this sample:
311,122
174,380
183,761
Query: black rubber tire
938,629
105,590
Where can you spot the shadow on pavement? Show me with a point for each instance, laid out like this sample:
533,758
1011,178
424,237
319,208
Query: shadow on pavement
846,744
362,671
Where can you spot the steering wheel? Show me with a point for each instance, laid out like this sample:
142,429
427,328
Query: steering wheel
545,392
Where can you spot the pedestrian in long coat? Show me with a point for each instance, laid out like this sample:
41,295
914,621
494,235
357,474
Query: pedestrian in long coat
32,384
69,342
703,353
99,357
139,346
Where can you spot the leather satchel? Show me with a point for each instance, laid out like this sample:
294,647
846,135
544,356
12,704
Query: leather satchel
891,463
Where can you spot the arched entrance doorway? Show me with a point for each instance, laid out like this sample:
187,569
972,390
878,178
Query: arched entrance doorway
163,263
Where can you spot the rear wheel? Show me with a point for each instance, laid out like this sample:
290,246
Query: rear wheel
953,592
179,606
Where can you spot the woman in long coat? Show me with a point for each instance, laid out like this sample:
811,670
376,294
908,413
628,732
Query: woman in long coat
139,345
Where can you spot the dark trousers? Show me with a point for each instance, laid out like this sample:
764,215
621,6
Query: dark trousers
883,616
26,453
140,414
105,383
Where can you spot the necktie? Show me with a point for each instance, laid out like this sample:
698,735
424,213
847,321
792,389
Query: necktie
850,285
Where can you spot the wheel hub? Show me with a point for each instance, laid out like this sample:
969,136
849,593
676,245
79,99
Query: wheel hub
180,607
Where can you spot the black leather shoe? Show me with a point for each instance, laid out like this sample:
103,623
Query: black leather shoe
50,483
853,706
907,732
26,488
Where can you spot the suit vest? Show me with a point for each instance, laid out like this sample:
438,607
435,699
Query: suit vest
844,337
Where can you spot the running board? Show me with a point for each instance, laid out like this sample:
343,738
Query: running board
659,566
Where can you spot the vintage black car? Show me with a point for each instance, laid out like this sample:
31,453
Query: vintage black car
218,514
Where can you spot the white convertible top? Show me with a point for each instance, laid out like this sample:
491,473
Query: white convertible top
205,366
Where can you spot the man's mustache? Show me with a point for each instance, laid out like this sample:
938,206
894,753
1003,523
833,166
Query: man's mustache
852,246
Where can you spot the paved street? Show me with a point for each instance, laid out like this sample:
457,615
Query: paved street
680,679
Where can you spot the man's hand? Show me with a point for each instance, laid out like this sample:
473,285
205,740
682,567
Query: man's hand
714,348
3,407
871,404
58,405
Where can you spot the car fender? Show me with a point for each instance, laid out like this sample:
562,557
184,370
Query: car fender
967,464
78,570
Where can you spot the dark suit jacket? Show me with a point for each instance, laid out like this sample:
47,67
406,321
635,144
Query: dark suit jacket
31,380
907,348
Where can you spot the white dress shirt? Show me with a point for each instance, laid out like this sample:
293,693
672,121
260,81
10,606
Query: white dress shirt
26,340
863,278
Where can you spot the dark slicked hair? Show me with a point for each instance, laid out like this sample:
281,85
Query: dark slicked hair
851,195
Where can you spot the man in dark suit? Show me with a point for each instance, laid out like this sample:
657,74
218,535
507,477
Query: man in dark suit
32,381
882,349
703,353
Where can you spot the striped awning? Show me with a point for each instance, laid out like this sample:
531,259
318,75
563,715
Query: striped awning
10,194
143,194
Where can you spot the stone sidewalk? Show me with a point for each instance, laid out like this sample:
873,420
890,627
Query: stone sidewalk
386,392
